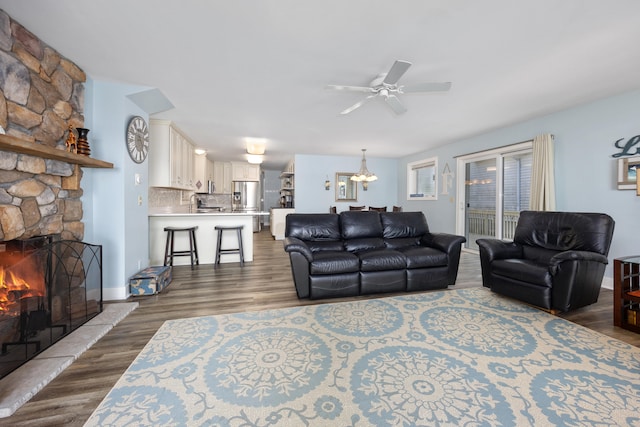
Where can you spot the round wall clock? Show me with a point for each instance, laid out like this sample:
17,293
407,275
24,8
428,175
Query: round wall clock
137,139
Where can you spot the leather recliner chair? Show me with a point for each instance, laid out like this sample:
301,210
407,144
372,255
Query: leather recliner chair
556,260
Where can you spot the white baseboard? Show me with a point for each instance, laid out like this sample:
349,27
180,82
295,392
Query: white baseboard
115,294
607,283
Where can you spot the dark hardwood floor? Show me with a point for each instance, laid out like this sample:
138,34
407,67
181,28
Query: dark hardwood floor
262,284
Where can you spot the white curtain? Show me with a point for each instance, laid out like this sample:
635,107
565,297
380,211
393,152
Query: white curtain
543,192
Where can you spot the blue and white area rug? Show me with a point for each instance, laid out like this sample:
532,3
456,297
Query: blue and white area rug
458,357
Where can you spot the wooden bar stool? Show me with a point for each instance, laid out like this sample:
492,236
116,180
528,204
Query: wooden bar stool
169,251
238,250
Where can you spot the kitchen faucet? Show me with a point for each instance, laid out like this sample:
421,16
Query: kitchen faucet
191,198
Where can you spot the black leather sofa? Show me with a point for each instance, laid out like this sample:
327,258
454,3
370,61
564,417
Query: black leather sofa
556,260
355,252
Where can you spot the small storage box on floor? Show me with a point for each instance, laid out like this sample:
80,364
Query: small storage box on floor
150,281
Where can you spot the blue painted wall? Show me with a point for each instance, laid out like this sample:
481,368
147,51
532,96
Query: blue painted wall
586,174
312,171
112,215
87,176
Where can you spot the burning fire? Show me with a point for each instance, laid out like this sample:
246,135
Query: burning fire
21,279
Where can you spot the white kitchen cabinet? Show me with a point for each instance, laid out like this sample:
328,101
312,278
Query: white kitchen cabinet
208,170
241,171
222,177
203,172
188,166
171,157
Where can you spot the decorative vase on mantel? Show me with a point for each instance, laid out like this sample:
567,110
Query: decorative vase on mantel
83,143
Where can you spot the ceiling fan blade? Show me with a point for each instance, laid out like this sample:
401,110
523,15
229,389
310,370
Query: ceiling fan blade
350,88
397,70
425,87
395,104
358,104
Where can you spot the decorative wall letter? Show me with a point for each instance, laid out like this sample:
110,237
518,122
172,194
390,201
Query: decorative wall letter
627,148
447,179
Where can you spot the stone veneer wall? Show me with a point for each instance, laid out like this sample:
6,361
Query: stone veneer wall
41,95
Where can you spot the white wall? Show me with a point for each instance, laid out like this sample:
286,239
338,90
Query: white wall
312,172
585,170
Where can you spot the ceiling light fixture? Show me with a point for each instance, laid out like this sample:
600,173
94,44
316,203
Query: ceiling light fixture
364,174
254,159
200,151
255,146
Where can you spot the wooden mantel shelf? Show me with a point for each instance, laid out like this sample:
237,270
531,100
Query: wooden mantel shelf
17,145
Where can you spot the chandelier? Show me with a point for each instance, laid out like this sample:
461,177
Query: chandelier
364,174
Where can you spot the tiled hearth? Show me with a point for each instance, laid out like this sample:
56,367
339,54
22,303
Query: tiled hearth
22,384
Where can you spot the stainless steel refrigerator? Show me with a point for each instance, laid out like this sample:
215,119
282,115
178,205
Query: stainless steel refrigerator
246,198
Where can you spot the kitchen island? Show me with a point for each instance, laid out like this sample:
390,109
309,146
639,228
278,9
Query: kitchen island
278,221
206,235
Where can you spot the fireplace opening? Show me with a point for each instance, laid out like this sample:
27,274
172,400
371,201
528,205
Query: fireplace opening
48,288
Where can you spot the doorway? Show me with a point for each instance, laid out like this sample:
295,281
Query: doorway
495,188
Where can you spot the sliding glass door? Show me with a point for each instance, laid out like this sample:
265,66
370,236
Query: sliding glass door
480,198
495,188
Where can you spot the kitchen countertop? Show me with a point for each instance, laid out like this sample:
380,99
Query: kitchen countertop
185,212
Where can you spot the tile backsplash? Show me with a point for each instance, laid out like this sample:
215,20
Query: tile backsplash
164,197
169,198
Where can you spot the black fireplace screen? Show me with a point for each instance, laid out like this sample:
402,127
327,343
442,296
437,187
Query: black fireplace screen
48,288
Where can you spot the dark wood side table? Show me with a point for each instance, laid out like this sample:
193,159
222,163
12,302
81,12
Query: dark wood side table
626,292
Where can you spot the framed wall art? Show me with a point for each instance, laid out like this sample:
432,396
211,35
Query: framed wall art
627,173
346,190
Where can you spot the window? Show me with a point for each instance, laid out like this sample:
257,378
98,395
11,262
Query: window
422,179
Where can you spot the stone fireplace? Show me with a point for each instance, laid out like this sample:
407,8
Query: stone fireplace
41,96
41,228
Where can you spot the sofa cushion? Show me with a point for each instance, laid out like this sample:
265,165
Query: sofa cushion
356,245
313,227
538,255
421,257
334,262
402,242
325,245
373,282
360,225
382,259
422,279
523,270
403,224
334,285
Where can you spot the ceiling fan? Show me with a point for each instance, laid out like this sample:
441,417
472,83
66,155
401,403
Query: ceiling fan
386,86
